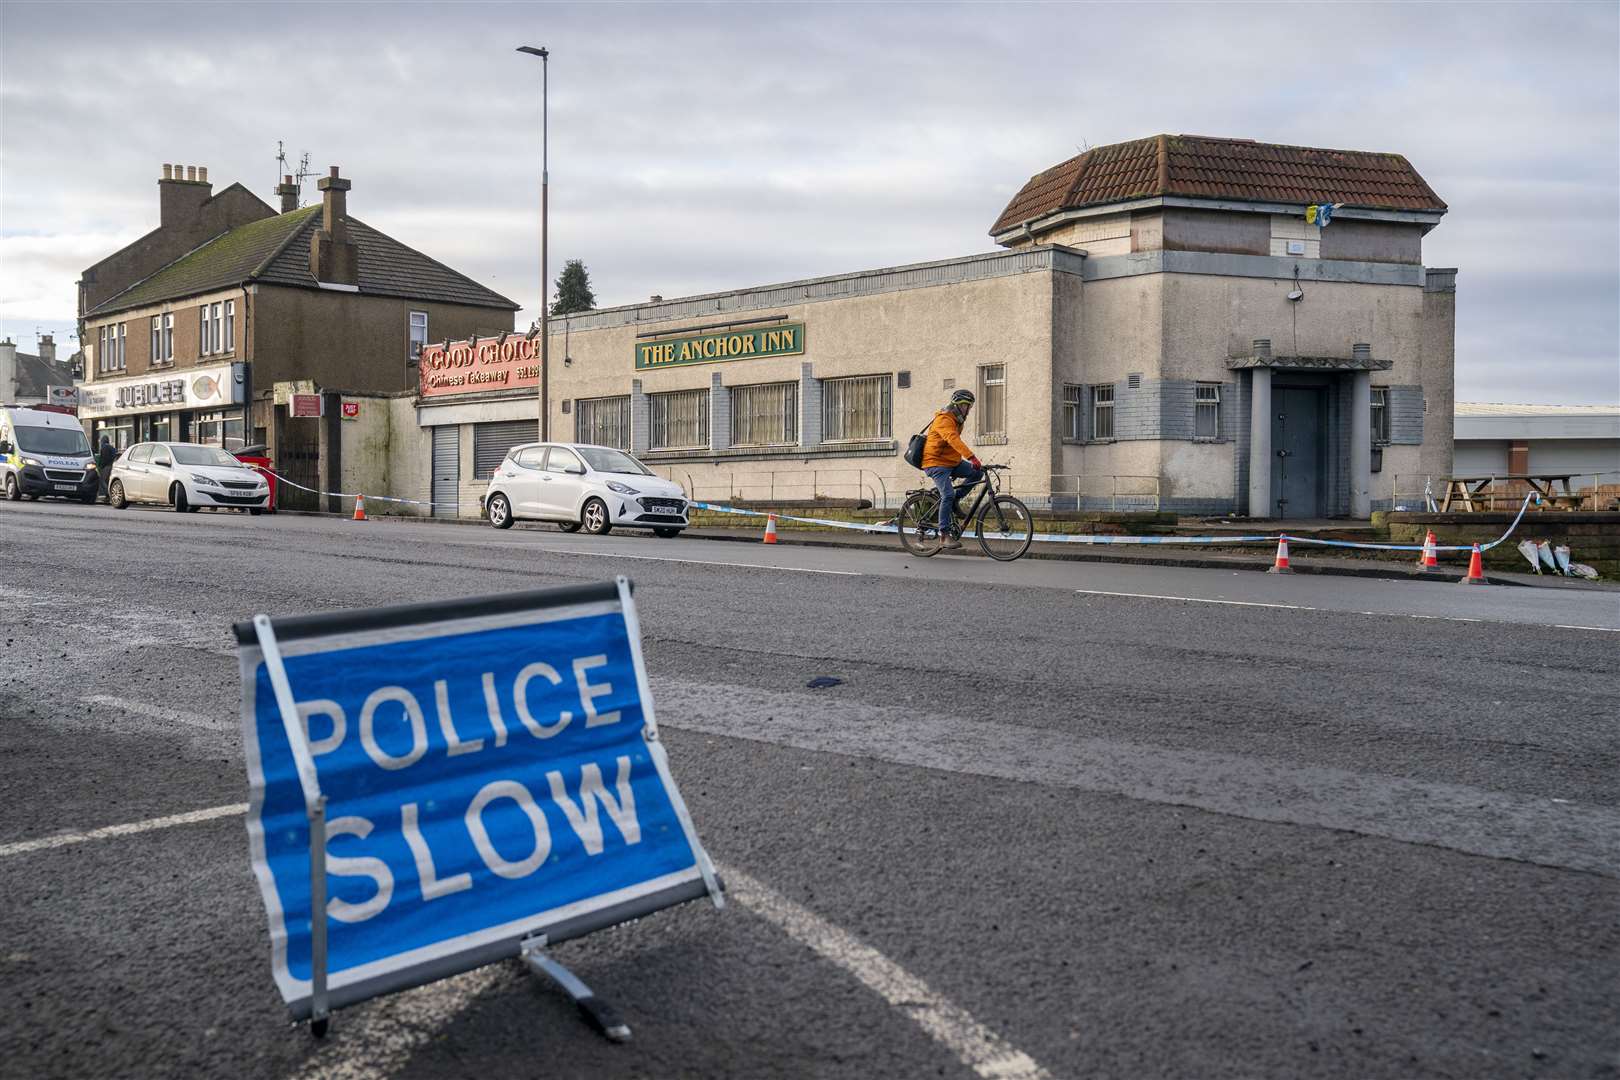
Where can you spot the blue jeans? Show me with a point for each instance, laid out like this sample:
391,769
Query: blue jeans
942,475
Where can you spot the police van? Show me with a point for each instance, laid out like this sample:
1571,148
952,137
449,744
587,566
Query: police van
44,452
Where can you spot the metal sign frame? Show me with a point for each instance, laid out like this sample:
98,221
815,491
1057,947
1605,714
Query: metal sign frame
269,640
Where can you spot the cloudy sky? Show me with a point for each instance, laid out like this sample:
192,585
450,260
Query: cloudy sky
697,147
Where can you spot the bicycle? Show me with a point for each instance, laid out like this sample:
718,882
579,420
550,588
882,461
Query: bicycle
1002,524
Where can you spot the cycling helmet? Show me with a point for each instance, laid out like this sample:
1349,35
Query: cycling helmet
963,397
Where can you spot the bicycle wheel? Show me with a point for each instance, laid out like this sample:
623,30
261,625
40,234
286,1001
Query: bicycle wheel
919,524
1005,528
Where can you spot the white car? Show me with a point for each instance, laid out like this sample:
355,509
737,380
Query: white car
577,485
186,476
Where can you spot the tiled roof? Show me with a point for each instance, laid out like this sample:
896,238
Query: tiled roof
35,376
1199,166
276,251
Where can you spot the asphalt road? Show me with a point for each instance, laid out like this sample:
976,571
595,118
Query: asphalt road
1058,820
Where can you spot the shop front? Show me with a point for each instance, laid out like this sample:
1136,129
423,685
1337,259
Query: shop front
197,405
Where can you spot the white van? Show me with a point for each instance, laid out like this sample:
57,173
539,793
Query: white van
44,452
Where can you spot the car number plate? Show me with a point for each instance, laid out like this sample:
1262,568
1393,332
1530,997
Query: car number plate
66,487
664,504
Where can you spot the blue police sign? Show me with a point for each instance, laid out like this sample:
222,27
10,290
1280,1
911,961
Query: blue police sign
482,771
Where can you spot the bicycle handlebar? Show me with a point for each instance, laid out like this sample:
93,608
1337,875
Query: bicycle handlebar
987,468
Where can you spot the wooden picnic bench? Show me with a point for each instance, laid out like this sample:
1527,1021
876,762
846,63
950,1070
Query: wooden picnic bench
1470,494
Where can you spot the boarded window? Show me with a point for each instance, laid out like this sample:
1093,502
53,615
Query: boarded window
492,442
766,414
680,420
856,408
603,421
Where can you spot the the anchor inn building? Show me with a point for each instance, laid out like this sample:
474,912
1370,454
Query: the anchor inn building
1162,327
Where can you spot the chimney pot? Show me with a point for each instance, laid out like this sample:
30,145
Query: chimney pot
334,172
191,172
202,173
286,179
1262,346
168,172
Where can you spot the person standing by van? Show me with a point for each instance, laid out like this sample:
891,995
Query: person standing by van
106,454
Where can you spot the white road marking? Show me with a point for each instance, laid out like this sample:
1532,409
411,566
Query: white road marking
388,1033
159,712
1307,607
701,562
45,843
979,1048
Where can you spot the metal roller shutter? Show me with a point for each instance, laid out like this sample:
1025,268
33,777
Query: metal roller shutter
446,470
492,441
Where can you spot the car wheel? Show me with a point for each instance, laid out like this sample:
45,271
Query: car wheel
177,496
500,511
192,509
568,526
13,492
666,532
115,495
255,510
595,518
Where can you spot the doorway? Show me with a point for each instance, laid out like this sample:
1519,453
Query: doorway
446,464
1298,451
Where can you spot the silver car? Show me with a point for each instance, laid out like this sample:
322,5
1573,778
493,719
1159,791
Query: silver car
579,486
186,476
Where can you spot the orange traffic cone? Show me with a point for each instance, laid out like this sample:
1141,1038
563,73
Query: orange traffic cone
1476,569
1281,565
1427,563
770,528
360,508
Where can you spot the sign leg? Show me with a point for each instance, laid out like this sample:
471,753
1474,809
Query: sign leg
603,1017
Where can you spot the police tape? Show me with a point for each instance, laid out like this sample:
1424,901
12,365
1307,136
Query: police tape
343,494
1090,538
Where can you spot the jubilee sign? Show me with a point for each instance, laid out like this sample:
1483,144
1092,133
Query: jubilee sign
485,770
785,339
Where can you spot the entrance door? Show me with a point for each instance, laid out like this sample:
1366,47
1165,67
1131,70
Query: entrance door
298,459
446,471
1297,429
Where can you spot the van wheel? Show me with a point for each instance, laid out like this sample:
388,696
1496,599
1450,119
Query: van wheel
666,532
595,518
115,495
177,495
500,511
13,492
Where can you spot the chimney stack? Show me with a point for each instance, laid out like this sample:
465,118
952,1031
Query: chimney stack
289,195
333,258
181,194
47,348
8,372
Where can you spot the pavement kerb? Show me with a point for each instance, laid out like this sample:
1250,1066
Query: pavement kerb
1386,571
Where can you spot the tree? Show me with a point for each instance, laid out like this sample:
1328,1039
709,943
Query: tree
573,289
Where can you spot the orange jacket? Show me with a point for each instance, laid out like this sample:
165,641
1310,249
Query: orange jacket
945,446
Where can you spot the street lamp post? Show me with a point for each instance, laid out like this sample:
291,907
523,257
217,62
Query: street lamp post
545,216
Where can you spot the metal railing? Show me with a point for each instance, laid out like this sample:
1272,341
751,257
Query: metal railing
1118,492
785,485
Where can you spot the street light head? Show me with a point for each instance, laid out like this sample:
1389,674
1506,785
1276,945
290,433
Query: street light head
533,51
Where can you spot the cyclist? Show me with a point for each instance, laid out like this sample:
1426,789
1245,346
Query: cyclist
946,458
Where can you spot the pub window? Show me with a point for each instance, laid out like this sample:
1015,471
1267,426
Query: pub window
123,339
418,335
766,414
156,352
1102,411
1207,410
992,399
680,420
230,325
216,318
203,345
856,408
104,356
603,421
1380,416
1074,411
217,429
162,338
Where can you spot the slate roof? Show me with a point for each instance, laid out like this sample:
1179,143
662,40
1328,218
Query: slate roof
35,376
1242,170
275,251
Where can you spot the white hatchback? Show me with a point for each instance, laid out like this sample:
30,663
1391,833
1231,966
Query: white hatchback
581,486
186,476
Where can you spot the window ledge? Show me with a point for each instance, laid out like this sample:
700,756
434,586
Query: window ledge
992,440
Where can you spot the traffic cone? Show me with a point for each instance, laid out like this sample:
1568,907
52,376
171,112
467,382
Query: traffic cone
1427,563
1476,569
360,508
1281,565
770,528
